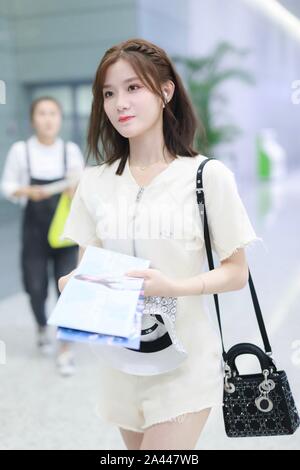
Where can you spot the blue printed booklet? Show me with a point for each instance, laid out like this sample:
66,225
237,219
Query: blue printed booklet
133,341
99,298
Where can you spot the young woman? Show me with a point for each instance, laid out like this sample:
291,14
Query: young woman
146,123
44,158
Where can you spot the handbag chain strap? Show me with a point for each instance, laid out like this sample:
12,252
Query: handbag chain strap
203,215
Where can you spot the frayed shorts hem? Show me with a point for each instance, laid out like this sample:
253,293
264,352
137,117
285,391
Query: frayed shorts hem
178,416
161,420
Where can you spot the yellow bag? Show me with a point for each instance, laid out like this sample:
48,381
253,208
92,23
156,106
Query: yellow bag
58,223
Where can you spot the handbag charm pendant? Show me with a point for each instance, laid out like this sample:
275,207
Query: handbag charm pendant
265,387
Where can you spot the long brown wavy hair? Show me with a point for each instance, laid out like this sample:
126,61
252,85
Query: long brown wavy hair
153,67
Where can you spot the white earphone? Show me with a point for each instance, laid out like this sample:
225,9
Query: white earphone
166,98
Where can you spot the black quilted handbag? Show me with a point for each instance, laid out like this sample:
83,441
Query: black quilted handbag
255,404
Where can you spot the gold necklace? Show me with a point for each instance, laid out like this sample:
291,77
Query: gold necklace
143,168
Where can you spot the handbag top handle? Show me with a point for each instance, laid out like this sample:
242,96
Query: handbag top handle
203,215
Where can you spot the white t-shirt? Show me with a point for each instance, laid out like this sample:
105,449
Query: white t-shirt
104,204
46,162
113,212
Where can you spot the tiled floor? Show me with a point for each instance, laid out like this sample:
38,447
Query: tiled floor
40,410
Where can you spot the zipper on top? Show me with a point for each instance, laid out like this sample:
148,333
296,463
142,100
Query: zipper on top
137,200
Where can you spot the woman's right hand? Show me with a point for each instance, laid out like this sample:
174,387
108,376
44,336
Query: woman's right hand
36,193
62,281
33,192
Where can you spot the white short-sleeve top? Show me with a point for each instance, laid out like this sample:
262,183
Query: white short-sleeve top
46,162
161,222
164,220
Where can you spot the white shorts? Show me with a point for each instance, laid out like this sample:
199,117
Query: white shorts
137,402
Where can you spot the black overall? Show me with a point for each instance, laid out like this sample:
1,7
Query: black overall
36,251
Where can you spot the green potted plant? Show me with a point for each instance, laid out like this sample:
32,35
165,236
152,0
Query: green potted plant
204,77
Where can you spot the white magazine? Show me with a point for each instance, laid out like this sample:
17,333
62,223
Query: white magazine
133,341
99,298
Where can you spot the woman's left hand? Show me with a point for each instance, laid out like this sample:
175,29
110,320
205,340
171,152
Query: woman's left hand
155,283
70,191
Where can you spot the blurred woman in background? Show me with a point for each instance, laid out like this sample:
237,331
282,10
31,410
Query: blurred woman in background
30,170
